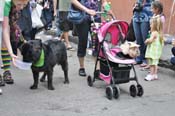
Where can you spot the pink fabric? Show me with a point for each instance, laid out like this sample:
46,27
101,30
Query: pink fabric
105,78
111,27
111,53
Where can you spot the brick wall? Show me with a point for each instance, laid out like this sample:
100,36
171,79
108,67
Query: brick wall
123,11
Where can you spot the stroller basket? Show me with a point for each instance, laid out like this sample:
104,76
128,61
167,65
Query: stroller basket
120,73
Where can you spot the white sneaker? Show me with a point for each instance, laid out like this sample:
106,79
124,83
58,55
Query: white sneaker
0,91
149,77
155,77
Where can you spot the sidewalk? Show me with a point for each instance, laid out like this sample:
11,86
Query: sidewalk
165,58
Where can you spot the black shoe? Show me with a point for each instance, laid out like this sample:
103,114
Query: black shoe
82,72
7,77
2,83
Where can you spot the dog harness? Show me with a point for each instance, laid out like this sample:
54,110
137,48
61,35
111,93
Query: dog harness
40,62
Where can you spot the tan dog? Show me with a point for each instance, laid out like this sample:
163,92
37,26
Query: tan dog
130,48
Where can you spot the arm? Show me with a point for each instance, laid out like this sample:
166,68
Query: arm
55,7
152,38
109,10
6,37
83,8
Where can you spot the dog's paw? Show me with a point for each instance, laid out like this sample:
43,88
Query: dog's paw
33,87
51,88
66,82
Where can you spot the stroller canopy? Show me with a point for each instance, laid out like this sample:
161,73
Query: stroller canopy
114,28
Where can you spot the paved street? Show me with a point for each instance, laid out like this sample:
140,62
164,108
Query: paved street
78,99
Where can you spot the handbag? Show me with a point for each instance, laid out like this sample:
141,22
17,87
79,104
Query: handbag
36,17
75,15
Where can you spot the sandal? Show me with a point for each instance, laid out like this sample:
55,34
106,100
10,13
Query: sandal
145,68
143,65
7,77
70,48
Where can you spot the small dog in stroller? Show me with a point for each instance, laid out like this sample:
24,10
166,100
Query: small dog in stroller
129,50
116,58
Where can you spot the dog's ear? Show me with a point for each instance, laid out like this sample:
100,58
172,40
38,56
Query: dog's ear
24,48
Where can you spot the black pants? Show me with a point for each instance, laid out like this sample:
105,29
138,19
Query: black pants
82,31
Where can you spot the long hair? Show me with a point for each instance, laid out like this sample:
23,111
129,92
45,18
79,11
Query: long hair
157,25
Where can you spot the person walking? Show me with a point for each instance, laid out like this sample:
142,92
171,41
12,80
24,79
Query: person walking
141,17
154,47
90,7
63,24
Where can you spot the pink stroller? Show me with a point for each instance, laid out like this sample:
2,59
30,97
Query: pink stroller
114,69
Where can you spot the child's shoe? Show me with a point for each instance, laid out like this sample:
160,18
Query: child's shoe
155,77
149,77
7,77
2,83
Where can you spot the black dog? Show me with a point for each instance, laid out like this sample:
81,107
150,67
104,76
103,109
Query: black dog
44,56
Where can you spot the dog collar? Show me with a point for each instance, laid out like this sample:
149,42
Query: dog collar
40,62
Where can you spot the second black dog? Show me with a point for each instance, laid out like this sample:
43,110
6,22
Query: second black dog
44,56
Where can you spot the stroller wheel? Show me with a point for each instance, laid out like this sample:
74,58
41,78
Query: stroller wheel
133,90
89,81
116,92
109,92
140,90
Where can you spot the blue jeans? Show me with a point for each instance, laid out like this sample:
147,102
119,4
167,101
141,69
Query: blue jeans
141,30
48,16
172,60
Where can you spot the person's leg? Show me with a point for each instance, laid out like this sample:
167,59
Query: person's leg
66,37
155,72
173,51
82,30
6,60
48,16
137,32
145,27
1,79
33,33
150,76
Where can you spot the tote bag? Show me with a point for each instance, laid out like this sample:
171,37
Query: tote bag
75,15
36,17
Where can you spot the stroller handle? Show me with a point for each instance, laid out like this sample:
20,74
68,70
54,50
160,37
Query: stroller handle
101,13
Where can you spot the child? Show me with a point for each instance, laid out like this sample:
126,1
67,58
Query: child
157,9
154,47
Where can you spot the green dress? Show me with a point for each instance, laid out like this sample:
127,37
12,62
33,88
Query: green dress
154,49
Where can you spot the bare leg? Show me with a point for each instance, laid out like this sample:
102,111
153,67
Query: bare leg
66,37
81,62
